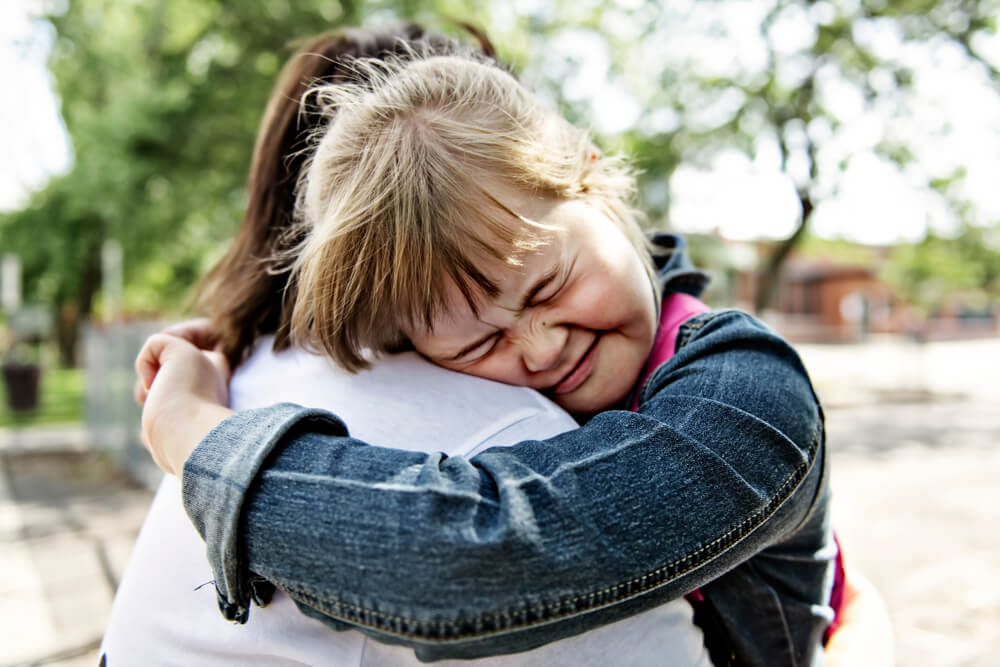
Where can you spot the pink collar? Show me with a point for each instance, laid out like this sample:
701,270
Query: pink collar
677,309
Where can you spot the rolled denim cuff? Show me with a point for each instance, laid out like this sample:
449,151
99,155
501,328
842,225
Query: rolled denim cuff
216,480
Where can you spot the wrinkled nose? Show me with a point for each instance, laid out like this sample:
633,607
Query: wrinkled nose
542,346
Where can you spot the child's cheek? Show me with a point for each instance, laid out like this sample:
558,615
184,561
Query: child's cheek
595,304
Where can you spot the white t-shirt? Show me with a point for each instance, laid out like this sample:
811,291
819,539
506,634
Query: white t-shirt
165,610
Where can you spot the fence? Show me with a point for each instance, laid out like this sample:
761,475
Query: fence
111,413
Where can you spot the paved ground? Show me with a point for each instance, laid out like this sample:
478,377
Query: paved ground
891,369
917,507
64,547
914,433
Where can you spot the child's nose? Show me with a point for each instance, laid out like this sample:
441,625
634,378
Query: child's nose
542,347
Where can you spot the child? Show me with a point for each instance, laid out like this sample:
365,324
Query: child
448,210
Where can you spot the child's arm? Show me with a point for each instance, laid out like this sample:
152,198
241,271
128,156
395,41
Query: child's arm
525,544
184,392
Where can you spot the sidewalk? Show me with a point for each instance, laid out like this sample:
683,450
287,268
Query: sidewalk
67,523
916,506
913,432
54,438
895,369
24,619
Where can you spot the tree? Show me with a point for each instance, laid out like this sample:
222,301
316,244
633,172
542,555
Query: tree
793,101
161,100
789,78
936,270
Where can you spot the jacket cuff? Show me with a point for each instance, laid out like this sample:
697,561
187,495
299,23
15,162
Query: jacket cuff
216,480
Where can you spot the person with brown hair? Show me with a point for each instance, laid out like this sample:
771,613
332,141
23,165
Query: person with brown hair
245,294
165,611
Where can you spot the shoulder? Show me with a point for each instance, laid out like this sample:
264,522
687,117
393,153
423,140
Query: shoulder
732,359
402,401
727,324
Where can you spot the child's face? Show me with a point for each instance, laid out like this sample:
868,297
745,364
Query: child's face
577,320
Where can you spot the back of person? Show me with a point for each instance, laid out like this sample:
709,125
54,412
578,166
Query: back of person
448,209
165,611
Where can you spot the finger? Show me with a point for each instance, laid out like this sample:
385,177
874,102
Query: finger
139,392
198,332
146,364
156,348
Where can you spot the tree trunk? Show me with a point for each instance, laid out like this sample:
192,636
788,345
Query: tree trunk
770,276
74,310
68,333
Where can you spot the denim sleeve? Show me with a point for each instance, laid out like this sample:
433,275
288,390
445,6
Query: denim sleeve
518,546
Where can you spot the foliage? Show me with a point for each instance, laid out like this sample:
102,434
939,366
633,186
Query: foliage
824,66
937,271
162,97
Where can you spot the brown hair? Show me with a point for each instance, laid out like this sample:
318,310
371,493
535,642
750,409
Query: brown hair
404,196
245,295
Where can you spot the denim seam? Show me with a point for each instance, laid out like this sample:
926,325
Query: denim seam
690,327
819,436
789,651
442,632
684,334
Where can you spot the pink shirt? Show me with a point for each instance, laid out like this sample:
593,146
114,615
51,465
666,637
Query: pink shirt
678,308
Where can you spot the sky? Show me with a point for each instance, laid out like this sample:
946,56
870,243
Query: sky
34,140
952,104
871,201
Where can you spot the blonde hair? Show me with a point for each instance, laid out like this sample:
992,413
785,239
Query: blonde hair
246,294
396,198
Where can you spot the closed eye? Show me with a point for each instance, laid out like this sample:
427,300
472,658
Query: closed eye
547,295
552,288
477,350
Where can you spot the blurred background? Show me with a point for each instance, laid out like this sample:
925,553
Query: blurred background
833,163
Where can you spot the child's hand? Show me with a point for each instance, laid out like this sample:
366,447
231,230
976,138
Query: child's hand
184,392
198,332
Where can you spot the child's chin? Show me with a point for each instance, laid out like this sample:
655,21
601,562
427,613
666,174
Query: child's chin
582,404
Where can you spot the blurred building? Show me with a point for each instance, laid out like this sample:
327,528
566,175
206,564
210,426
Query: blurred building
828,300
824,301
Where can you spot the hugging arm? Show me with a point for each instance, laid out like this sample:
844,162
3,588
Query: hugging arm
521,545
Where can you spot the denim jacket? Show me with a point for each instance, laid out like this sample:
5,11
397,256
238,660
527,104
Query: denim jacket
717,482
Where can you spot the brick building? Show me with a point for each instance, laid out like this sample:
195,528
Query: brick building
820,299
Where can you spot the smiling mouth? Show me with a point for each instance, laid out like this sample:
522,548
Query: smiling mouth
580,372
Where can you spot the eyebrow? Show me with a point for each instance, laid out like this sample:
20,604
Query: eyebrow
542,283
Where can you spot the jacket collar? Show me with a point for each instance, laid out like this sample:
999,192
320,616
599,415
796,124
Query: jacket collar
674,268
